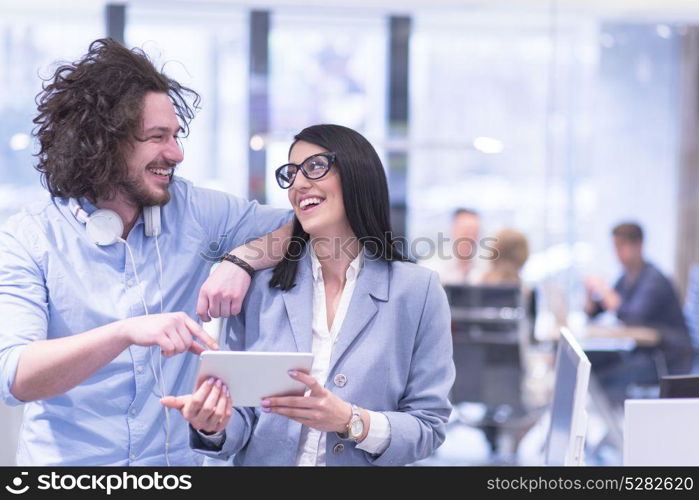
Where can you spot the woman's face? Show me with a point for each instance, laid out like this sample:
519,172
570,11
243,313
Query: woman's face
323,212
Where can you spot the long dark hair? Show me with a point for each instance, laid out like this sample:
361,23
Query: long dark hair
88,111
365,195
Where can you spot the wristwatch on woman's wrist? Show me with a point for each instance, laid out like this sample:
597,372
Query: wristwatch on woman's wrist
355,426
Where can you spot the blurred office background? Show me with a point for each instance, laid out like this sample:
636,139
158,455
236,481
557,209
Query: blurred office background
558,118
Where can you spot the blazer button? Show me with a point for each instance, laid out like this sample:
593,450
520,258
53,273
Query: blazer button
338,448
340,380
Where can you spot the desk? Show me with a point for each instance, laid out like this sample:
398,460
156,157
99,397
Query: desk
619,341
661,432
642,336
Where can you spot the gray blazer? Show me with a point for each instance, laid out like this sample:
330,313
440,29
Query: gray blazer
394,350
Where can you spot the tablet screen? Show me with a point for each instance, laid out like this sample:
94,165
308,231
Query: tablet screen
253,375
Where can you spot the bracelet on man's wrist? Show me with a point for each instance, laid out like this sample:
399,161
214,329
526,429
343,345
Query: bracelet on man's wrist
240,263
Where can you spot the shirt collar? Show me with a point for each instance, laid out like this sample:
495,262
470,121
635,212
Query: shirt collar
86,205
351,273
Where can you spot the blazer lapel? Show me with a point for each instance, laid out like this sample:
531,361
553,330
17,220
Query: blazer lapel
372,285
299,305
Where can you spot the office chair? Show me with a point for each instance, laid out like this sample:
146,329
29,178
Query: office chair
491,332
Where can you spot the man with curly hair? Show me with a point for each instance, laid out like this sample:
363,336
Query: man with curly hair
90,314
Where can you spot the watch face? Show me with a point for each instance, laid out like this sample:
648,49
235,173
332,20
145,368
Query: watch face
357,428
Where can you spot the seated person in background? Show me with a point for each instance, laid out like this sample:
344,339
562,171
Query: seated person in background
641,297
460,266
511,251
378,326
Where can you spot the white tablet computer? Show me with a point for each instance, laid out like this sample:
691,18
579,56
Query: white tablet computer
253,375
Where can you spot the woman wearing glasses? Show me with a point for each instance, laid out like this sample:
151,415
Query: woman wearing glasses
378,326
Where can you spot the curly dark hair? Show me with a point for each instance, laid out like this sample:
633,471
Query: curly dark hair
89,109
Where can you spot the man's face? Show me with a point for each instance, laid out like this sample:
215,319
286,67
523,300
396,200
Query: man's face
629,253
465,232
151,160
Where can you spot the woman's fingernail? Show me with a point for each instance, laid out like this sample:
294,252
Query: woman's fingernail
218,382
265,402
225,390
210,381
265,409
293,373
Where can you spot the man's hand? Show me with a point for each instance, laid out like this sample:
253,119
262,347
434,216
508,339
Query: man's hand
208,409
598,290
223,292
595,285
173,332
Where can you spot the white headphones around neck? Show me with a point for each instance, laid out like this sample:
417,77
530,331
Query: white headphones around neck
104,227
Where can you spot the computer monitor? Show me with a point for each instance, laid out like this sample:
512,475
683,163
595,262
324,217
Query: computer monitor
679,386
480,296
566,437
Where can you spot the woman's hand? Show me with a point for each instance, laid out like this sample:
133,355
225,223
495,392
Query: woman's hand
208,409
321,409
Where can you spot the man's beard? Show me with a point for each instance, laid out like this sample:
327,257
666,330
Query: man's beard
137,190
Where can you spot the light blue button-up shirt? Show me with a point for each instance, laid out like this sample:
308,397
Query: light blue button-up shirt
54,282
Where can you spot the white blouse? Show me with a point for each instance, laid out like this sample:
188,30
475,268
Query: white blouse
312,444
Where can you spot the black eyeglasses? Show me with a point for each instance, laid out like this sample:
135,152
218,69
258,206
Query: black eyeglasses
314,167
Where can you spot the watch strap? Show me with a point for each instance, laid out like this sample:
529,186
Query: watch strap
356,414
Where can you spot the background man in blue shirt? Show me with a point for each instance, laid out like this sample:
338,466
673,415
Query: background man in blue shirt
642,296
98,326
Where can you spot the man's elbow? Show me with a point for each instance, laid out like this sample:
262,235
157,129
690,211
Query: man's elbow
21,392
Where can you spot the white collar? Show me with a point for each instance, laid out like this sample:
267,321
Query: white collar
351,273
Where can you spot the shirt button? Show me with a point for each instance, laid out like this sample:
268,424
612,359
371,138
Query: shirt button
340,380
129,283
338,448
139,369
133,456
133,411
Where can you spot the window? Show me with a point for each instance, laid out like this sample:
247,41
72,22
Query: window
204,48
34,38
559,133
324,68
